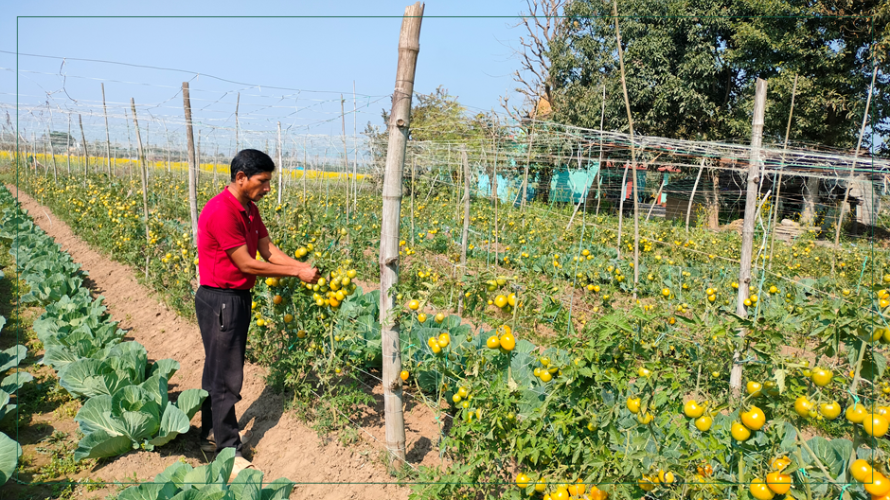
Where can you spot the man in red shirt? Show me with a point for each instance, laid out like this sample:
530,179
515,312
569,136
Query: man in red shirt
230,233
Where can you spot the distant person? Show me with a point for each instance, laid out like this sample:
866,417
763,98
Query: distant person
230,232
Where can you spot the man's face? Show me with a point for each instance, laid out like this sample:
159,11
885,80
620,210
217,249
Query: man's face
256,186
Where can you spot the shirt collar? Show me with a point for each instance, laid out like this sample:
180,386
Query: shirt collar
234,201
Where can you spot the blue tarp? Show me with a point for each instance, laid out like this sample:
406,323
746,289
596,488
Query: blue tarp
566,185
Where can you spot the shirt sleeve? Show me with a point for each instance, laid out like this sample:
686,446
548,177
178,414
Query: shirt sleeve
227,231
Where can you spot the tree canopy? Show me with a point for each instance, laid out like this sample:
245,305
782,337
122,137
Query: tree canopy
691,64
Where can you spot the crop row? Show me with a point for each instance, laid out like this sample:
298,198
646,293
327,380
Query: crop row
126,403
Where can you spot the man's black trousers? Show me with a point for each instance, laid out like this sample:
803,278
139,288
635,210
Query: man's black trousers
223,317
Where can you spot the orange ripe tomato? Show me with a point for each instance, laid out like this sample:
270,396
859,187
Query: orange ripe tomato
404,375
277,299
861,471
778,483
879,485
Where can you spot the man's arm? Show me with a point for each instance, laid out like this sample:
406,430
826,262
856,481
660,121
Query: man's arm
274,255
247,264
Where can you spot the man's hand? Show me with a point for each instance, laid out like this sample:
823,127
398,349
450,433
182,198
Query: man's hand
308,274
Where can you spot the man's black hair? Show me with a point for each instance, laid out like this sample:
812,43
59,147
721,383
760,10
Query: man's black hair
251,162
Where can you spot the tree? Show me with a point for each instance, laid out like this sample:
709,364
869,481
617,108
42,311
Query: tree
691,64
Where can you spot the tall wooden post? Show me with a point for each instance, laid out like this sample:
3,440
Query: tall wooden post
692,196
465,232
237,125
86,157
49,138
354,153
144,186
633,158
280,165
528,159
68,145
409,46
107,135
345,155
190,138
735,376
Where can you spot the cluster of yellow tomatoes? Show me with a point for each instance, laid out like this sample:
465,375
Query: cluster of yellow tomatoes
660,477
546,371
777,482
332,288
562,491
875,482
503,339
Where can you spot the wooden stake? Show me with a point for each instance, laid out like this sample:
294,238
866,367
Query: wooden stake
599,170
409,46
280,166
144,186
465,232
633,158
107,136
623,192
657,197
192,168
345,155
49,138
528,160
840,219
692,196
735,377
237,125
354,153
86,157
68,145
781,166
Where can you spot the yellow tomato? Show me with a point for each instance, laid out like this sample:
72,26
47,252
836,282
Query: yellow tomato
493,342
821,377
875,425
802,406
404,375
500,301
740,432
760,490
522,480
780,463
507,341
421,317
878,486
644,418
856,413
830,410
692,410
861,471
413,304
633,404
440,317
754,388
753,418
704,423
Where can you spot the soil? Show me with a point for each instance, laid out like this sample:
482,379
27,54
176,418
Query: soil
282,446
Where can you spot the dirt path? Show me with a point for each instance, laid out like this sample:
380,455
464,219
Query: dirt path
283,447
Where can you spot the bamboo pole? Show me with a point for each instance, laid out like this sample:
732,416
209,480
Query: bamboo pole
599,170
840,219
621,209
528,159
735,378
409,46
49,138
51,148
465,232
633,159
692,196
781,166
190,138
354,153
86,157
345,154
237,124
68,145
144,186
280,166
107,134
657,197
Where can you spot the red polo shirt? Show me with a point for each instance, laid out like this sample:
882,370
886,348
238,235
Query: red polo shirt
225,224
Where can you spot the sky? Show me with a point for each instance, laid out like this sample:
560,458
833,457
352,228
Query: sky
291,70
